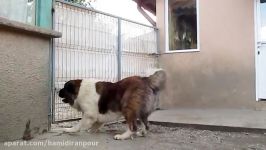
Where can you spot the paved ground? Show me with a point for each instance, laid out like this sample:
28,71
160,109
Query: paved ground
242,118
159,138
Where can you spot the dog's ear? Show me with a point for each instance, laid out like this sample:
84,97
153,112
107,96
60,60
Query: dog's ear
65,100
103,104
100,87
62,93
73,86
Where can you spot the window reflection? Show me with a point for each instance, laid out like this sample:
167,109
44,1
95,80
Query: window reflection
182,24
18,10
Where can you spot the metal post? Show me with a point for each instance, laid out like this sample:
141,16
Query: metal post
51,99
52,62
157,40
157,96
158,46
119,50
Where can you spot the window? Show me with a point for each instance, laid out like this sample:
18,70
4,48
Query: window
182,25
18,10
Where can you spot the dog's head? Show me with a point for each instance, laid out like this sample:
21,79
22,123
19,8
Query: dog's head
70,91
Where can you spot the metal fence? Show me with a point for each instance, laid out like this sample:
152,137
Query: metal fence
100,46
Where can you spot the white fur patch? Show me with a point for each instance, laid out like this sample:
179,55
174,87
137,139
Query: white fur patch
126,135
87,103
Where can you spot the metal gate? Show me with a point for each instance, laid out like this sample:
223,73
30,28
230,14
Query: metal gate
97,45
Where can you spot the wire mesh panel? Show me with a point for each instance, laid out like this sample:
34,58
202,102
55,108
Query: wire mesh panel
139,49
87,49
99,46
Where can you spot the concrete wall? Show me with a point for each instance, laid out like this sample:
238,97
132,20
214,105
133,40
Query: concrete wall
25,81
222,74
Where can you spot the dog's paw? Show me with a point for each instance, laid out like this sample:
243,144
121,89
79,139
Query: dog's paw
118,137
69,130
93,130
141,133
122,137
57,130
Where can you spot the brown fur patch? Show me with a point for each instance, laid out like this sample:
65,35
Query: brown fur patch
133,96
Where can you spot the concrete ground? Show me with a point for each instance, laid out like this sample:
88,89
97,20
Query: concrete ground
239,118
162,137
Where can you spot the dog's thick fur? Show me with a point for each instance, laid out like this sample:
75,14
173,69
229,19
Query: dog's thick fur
132,97
81,95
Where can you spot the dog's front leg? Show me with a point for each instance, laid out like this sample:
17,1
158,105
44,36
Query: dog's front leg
76,128
95,127
84,124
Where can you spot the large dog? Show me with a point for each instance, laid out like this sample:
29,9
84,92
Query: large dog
133,98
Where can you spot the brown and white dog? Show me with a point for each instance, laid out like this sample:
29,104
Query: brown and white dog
133,98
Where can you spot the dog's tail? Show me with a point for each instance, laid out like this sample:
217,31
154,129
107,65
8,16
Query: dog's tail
157,80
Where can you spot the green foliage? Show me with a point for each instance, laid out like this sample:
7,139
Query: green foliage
80,2
77,1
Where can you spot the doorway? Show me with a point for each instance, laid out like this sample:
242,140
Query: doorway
261,49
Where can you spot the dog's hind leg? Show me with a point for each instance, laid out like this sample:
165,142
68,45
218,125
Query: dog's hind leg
125,135
130,106
142,131
132,128
145,122
144,126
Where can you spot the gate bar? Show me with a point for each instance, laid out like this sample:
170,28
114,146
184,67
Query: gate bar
52,101
119,51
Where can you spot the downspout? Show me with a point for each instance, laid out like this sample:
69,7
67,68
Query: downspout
146,15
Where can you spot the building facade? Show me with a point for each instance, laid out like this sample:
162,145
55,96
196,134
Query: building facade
213,52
